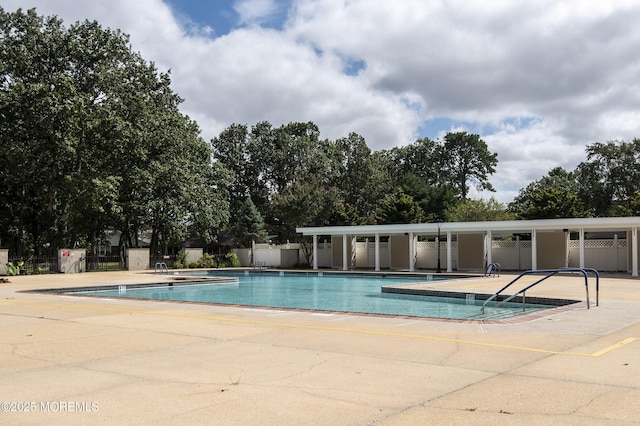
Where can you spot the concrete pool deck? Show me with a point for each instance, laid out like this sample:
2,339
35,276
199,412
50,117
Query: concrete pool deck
79,360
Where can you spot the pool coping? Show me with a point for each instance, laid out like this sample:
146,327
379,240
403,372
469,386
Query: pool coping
534,300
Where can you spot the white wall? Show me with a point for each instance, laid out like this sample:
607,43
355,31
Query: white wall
193,254
73,261
427,252
366,255
273,256
512,255
602,255
244,256
137,259
4,258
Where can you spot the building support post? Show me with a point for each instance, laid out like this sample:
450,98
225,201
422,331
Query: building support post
411,253
489,243
345,266
634,252
314,253
534,250
581,247
377,255
449,261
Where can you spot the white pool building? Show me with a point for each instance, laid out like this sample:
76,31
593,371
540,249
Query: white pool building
606,244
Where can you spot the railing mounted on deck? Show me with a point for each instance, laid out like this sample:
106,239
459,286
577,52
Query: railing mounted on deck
548,273
259,266
492,269
162,267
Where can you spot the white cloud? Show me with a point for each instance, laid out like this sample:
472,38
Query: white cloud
539,80
254,11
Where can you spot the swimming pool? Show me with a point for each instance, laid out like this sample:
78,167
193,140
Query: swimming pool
334,292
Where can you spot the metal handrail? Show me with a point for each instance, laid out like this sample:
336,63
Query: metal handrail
260,264
493,268
550,273
162,266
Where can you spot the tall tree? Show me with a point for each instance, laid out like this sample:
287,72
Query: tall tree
465,158
433,199
93,139
399,208
610,176
358,176
479,210
306,203
248,225
552,197
416,159
231,148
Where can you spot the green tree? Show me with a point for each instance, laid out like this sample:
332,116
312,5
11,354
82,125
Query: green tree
610,176
433,200
271,165
465,158
473,210
436,173
400,208
634,205
306,203
248,225
552,197
416,159
359,177
231,148
93,140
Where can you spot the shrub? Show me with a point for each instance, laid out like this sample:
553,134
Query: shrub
14,269
181,260
231,260
207,261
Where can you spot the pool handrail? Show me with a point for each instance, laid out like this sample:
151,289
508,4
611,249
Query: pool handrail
493,268
550,273
260,265
164,269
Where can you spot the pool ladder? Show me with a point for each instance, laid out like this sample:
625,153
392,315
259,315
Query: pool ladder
548,273
164,269
492,269
259,266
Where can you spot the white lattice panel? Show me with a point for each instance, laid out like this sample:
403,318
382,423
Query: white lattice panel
504,244
598,244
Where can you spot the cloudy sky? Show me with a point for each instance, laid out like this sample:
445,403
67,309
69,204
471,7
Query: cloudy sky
537,79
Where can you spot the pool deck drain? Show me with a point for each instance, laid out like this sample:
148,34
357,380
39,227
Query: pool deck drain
75,360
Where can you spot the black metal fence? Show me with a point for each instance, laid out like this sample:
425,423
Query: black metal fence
94,263
105,263
36,265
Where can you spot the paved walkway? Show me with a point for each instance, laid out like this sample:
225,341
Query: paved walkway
75,360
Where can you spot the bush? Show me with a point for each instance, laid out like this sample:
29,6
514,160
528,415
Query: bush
231,260
207,261
14,269
181,260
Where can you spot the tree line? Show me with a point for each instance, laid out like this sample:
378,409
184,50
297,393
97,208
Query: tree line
286,177
93,141
606,184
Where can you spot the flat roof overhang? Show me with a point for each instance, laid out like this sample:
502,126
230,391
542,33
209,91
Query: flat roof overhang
525,226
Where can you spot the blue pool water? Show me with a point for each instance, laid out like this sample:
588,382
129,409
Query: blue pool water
330,292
